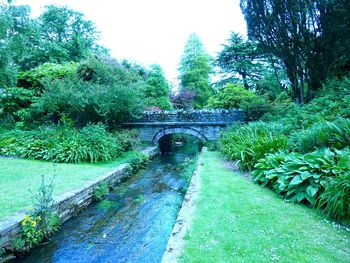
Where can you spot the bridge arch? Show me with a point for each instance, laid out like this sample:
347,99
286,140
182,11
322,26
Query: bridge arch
173,130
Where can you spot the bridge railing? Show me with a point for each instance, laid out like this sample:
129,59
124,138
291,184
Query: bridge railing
220,116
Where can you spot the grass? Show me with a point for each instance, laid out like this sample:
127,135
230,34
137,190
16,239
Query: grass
239,221
18,177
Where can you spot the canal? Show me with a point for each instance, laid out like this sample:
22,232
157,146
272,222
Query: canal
133,223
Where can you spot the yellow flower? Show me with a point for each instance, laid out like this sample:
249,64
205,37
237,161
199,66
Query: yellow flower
39,218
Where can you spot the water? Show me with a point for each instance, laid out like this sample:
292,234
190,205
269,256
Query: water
132,224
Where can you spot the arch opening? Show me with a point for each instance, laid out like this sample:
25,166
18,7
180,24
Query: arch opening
169,139
188,131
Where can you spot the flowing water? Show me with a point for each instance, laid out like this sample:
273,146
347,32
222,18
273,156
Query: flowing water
132,224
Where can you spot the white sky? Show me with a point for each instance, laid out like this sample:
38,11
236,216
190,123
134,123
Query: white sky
155,31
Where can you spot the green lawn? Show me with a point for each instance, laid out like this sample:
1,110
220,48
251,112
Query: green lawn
20,176
239,221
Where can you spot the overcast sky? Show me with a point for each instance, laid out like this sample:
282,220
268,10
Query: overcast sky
155,31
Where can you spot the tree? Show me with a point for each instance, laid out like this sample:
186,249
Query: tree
302,34
183,99
194,71
66,35
16,26
240,61
157,89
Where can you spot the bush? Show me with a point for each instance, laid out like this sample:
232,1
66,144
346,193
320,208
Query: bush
127,139
301,178
233,96
324,134
32,79
335,200
332,102
63,144
251,142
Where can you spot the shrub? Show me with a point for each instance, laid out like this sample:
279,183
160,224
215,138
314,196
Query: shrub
332,102
63,144
33,78
127,139
324,134
233,96
335,200
251,142
300,177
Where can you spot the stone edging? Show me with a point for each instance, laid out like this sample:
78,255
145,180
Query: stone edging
71,202
185,217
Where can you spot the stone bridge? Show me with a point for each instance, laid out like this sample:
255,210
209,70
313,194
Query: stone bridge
203,124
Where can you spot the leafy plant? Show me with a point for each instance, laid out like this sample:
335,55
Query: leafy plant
42,221
335,200
65,144
251,142
100,191
324,134
300,177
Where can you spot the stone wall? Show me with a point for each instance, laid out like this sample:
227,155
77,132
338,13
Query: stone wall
205,116
206,125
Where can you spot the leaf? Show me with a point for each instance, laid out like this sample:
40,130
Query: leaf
296,180
312,190
304,175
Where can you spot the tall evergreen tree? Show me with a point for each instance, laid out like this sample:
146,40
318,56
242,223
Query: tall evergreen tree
195,69
239,61
157,90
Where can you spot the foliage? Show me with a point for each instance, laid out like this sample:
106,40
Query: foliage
15,101
66,35
90,144
307,36
324,134
59,35
157,89
331,103
183,99
194,71
32,79
127,139
240,57
302,177
42,221
233,96
2,248
104,92
137,163
100,191
251,142
335,200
